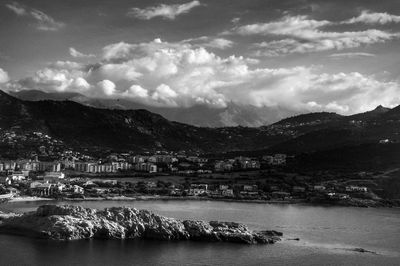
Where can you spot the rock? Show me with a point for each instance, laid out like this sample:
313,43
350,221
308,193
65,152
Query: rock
4,216
267,236
362,250
201,231
66,222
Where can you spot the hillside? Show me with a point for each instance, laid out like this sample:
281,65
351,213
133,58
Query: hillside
199,115
99,129
87,127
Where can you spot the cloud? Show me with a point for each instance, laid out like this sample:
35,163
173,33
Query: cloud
107,87
351,55
303,35
369,17
164,11
75,53
180,74
43,21
3,76
58,76
219,43
235,20
323,42
136,91
205,41
299,26
17,8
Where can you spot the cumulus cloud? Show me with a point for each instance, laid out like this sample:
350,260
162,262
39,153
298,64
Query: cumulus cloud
107,87
43,21
136,91
75,53
3,76
163,10
181,74
369,17
303,35
58,76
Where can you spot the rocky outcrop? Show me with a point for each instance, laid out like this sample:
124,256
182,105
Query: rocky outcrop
65,222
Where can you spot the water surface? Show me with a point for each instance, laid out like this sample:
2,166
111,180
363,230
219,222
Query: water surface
327,235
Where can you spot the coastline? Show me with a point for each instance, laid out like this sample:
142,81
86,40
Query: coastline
148,198
170,198
256,201
28,198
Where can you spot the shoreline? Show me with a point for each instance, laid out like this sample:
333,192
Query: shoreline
149,198
169,198
28,199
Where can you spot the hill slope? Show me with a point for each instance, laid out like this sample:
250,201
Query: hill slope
83,126
96,129
200,115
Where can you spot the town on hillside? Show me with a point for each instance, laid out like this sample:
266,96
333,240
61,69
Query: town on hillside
167,175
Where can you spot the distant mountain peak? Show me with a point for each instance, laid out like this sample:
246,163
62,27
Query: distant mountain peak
381,109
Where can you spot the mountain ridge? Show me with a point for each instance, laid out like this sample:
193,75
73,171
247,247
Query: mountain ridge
85,127
199,115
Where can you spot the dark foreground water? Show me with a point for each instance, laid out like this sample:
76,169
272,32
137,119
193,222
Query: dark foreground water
327,237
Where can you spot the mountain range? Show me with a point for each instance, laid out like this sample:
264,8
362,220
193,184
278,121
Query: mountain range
81,126
233,114
140,130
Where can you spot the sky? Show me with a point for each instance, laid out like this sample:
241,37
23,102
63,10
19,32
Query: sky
300,55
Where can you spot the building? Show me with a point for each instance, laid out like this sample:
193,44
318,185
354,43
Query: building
319,188
146,167
356,189
227,193
268,159
69,163
81,166
279,159
250,187
110,182
17,177
28,165
45,189
75,189
223,166
53,177
196,159
247,163
384,141
6,180
280,195
337,196
138,159
162,159
198,189
49,166
8,165
223,187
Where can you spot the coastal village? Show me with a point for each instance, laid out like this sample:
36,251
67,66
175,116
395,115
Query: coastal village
163,175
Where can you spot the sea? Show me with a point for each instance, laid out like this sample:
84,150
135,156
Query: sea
327,236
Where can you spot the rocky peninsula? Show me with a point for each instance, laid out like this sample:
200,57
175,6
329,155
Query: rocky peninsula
66,222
